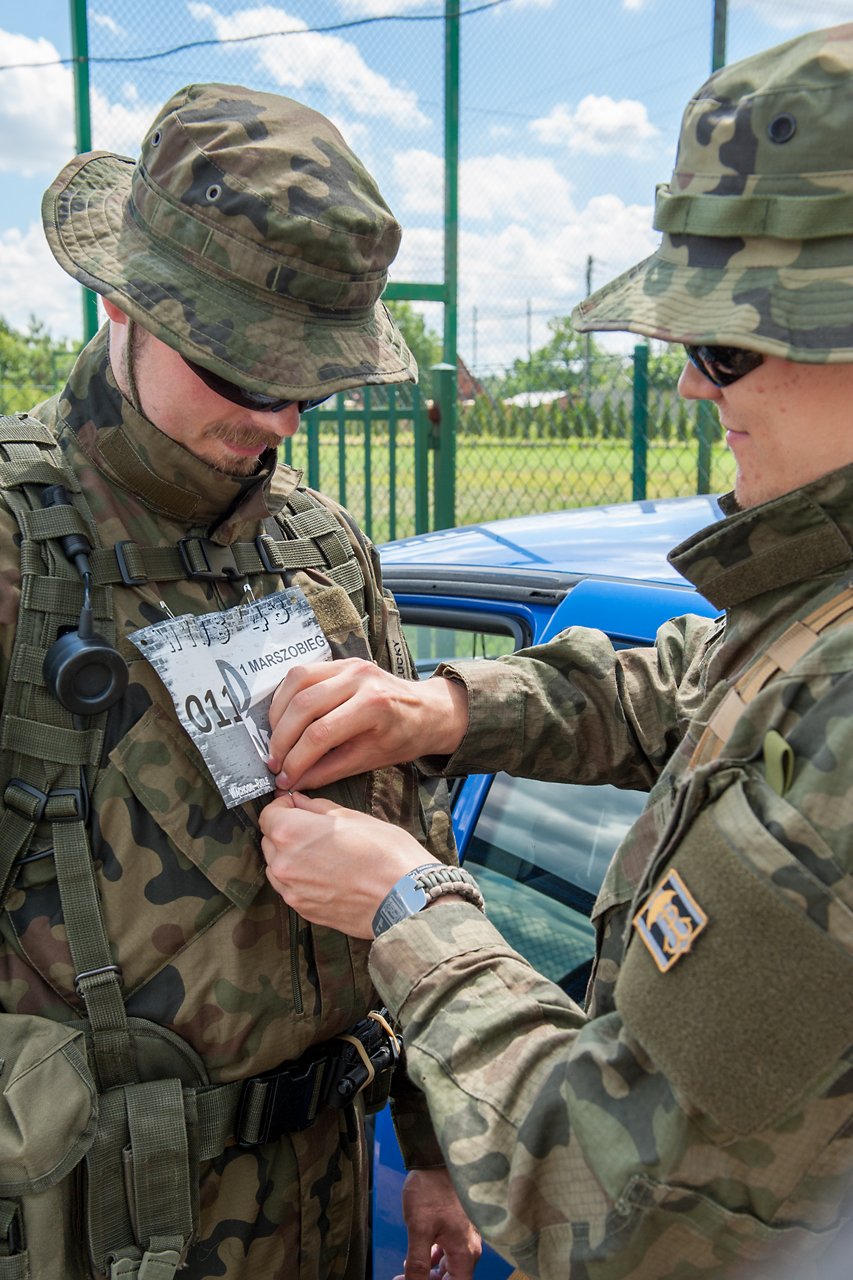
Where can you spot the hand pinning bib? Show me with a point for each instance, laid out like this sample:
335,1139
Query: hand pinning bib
221,670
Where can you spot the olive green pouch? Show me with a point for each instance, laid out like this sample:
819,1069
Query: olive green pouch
759,1010
48,1118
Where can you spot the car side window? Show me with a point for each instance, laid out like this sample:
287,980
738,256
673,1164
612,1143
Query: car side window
539,852
430,644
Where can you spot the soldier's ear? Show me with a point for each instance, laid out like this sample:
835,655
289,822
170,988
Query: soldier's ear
116,315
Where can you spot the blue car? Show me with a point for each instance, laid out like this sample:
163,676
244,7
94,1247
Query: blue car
538,849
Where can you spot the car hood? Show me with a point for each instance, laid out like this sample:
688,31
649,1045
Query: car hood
626,540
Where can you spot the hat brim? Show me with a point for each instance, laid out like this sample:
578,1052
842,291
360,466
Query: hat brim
777,297
266,344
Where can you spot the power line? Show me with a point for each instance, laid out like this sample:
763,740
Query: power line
265,35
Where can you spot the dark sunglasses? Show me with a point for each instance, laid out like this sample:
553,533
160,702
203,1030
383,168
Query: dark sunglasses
248,399
723,365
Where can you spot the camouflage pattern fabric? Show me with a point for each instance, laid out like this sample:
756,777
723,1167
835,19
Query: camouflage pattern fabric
247,236
695,1119
205,946
757,249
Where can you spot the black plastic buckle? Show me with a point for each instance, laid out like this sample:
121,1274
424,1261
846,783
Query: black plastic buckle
129,579
264,544
79,794
289,1098
349,1071
202,558
11,801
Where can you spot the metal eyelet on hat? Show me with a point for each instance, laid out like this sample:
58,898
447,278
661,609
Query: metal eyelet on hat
782,128
213,192
155,138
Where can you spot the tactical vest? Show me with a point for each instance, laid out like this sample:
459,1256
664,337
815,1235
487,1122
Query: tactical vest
779,657
127,1101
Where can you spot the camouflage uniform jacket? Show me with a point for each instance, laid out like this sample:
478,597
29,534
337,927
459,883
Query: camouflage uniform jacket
206,948
695,1119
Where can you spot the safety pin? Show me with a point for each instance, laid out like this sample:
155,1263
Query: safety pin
167,610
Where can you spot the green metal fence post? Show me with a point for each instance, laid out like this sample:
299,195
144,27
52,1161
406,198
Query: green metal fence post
445,385
705,423
421,433
444,489
311,427
83,118
718,34
367,522
640,423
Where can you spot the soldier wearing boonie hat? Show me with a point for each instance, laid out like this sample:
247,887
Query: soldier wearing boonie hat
693,1119
247,236
193,1055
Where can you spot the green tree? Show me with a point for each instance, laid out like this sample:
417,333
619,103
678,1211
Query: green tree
560,365
33,365
665,365
424,343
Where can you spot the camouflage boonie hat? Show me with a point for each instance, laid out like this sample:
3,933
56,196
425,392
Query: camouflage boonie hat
757,249
247,236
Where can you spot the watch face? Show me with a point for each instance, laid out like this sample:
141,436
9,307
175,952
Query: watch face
405,899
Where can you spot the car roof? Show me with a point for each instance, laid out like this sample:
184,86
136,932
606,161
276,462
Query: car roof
627,540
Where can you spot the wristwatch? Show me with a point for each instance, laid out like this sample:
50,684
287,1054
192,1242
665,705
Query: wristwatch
421,886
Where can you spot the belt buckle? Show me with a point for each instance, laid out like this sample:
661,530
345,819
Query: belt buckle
284,1100
204,559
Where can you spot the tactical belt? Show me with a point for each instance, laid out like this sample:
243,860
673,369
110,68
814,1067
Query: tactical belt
289,1098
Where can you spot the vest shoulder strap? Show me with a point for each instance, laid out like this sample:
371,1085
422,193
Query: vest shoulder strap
778,657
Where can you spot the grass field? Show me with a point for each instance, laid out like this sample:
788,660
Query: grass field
498,478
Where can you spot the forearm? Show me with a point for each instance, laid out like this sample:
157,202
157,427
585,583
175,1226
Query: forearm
577,709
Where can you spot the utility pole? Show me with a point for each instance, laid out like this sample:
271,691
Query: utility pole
587,342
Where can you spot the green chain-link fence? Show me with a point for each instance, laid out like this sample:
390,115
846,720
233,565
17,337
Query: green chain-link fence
374,448
551,443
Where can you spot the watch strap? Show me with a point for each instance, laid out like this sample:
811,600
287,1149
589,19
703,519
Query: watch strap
421,886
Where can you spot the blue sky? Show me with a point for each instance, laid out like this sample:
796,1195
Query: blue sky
569,116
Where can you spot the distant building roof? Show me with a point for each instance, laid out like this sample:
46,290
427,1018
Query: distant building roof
531,399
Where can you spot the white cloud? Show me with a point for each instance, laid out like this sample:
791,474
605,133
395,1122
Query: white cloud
108,23
788,15
539,255
32,283
36,107
521,188
379,8
299,61
117,126
42,140
598,126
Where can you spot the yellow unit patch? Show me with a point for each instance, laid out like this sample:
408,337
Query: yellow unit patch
670,922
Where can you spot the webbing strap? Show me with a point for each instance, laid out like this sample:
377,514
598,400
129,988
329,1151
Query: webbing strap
98,980
134,565
108,1216
161,1189
780,656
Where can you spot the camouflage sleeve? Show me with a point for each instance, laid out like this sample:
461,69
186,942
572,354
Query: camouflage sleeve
579,710
571,1146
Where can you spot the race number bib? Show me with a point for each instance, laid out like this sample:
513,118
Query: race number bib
221,670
